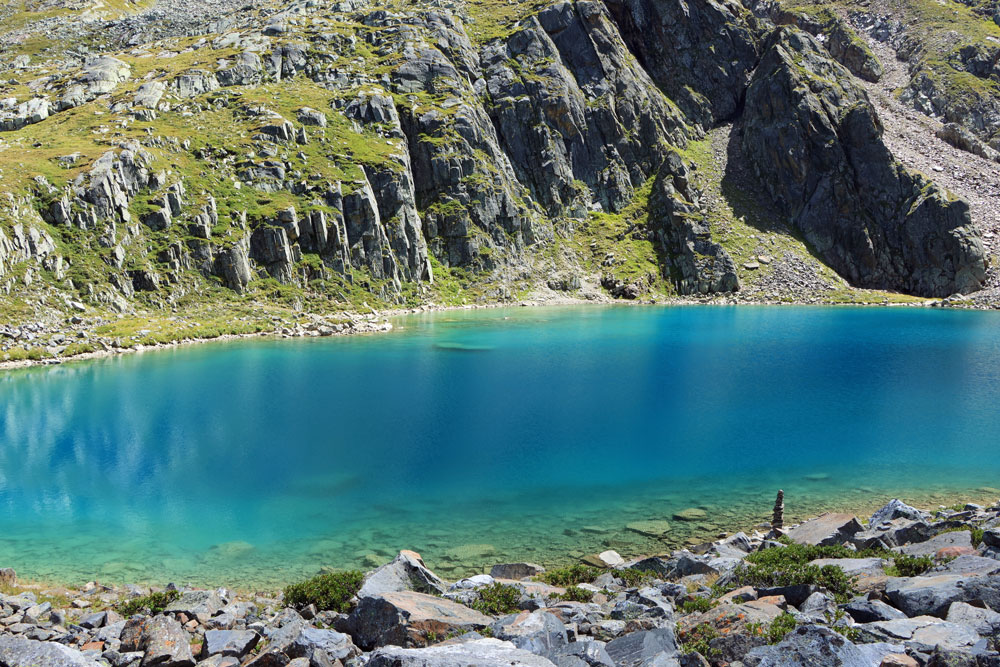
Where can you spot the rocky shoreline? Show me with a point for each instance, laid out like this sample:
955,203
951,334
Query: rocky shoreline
55,339
903,587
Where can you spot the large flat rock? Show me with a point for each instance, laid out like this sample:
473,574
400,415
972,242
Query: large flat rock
538,631
818,645
959,539
933,594
407,618
922,633
22,652
644,649
826,529
479,653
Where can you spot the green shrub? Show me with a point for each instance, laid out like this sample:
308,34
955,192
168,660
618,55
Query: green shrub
697,640
909,566
331,592
571,576
577,594
789,566
780,626
633,577
497,599
977,536
696,604
829,577
150,605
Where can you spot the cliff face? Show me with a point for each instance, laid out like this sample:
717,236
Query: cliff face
397,152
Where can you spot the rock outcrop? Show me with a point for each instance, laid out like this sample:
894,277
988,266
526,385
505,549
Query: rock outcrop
502,151
814,141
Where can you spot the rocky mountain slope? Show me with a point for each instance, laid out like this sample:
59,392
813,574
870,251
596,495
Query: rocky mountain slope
169,157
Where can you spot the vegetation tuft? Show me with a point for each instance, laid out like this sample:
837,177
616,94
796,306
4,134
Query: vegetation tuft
497,599
697,639
151,604
696,604
633,577
909,566
571,576
577,594
329,592
789,566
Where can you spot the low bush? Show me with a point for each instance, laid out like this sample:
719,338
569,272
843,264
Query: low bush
696,604
497,599
151,604
332,592
577,594
780,626
571,576
789,566
697,639
909,566
633,577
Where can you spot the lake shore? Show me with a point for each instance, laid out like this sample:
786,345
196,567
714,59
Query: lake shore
935,501
353,323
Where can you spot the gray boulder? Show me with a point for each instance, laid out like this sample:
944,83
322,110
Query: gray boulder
984,622
334,645
582,654
922,633
194,603
22,652
407,618
826,529
818,645
406,572
966,579
645,648
236,643
165,643
103,74
961,539
868,611
477,653
149,94
539,631
515,570
895,509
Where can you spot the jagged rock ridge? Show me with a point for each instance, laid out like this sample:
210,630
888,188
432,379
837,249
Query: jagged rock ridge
436,148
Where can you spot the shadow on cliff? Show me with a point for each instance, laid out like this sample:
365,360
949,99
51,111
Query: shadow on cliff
747,197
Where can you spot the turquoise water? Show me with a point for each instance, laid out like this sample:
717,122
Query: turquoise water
482,436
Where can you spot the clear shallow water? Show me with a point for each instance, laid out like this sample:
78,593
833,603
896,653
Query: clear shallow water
478,437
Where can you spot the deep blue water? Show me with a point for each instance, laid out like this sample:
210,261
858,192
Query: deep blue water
476,437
